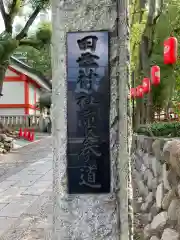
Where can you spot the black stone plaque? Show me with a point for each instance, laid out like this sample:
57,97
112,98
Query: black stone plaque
88,108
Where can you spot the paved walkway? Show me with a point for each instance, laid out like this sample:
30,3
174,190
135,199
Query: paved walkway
26,193
21,142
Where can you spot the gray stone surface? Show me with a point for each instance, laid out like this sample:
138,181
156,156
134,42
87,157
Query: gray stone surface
91,216
154,238
159,221
37,188
148,202
27,216
164,208
150,179
156,167
6,223
159,195
15,209
147,231
167,199
2,205
170,234
17,160
165,177
173,209
27,180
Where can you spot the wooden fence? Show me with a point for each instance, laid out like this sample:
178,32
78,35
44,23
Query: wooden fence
23,121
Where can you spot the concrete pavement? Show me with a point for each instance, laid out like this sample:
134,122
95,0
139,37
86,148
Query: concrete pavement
37,137
26,194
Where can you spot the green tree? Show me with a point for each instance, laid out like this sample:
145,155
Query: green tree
9,43
138,13
39,59
168,25
175,25
149,51
162,94
145,15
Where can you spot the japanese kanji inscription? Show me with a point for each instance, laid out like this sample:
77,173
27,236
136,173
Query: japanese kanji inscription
88,108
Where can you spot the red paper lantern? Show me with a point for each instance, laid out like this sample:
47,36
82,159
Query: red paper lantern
139,91
155,75
146,85
132,92
170,50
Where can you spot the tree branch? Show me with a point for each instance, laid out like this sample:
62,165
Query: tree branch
146,47
160,9
2,9
159,12
28,24
133,14
12,7
5,17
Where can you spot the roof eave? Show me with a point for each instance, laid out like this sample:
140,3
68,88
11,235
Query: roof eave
37,79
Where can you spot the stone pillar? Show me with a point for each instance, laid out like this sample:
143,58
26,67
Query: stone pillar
103,216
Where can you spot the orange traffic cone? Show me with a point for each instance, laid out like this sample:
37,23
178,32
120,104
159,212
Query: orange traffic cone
20,132
25,133
29,136
32,137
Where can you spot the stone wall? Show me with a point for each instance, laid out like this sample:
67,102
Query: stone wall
156,187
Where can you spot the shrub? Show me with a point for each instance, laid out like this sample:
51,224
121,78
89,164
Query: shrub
170,129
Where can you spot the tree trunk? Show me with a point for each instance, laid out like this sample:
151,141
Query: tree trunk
146,48
149,109
140,113
7,47
137,114
3,68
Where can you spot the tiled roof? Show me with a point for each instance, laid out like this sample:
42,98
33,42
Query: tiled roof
31,70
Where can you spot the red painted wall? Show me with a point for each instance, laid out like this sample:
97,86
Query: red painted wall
22,78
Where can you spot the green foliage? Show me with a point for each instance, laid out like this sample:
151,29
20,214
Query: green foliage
169,129
37,59
14,6
176,102
43,4
167,24
135,38
137,28
7,46
9,43
164,28
44,32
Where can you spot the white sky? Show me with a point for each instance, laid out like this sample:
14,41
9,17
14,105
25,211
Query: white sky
21,20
